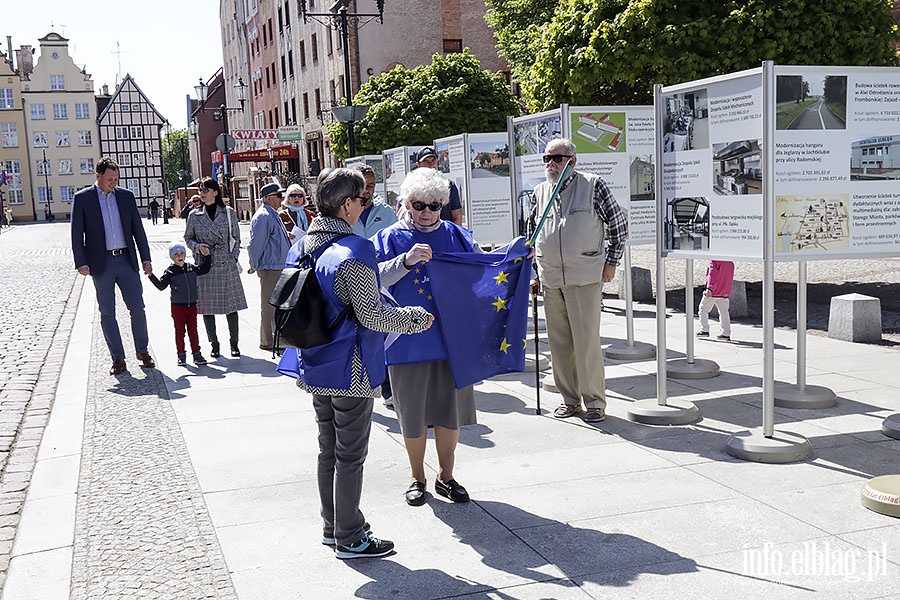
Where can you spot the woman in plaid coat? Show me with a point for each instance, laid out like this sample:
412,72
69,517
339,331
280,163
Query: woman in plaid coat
212,230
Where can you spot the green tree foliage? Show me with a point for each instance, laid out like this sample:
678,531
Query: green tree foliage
517,24
613,51
409,107
172,158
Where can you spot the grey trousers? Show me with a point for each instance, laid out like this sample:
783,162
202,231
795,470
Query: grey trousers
573,330
344,427
268,278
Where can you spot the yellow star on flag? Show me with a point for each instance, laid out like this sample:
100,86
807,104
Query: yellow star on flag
519,259
501,278
524,343
415,281
500,304
504,346
421,291
429,297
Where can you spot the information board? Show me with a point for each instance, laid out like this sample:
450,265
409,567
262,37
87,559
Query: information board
376,162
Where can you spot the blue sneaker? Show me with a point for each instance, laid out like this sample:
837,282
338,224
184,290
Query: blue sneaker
367,547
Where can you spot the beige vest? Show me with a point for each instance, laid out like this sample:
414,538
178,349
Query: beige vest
569,247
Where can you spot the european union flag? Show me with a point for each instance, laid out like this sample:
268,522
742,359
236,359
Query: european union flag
482,302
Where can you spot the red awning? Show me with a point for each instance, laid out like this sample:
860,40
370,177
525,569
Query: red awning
262,155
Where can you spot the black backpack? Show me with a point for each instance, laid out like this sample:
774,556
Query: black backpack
300,318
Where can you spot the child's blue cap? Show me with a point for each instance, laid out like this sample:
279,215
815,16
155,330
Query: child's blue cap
174,248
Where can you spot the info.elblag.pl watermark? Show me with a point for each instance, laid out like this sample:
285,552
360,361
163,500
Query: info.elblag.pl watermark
819,559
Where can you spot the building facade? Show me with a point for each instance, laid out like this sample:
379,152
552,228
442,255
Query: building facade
60,128
16,193
130,132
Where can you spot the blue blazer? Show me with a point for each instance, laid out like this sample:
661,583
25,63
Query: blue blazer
89,233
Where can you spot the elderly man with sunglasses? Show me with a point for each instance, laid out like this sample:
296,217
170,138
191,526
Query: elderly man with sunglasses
268,249
571,269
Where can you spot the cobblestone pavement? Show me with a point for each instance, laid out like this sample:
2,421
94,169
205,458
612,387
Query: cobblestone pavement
35,323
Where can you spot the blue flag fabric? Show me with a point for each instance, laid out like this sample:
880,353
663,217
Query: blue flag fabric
482,301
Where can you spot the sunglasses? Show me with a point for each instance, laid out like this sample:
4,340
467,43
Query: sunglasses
296,195
557,158
433,206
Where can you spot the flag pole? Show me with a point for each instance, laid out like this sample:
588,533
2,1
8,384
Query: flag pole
534,307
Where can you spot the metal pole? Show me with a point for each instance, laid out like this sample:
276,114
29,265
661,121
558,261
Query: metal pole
801,325
181,142
47,187
348,88
225,165
689,308
629,310
537,356
768,234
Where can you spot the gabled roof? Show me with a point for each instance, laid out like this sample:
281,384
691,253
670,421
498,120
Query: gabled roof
115,97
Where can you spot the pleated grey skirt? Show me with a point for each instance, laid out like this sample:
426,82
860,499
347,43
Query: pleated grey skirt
424,396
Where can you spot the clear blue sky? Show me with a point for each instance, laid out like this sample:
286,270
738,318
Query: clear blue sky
166,45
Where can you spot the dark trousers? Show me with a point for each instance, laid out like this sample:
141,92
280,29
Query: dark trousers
209,322
185,317
119,273
344,427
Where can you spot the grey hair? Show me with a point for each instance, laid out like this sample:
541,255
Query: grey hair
291,189
567,143
335,186
425,185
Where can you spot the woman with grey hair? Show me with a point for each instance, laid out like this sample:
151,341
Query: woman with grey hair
294,212
418,365
345,374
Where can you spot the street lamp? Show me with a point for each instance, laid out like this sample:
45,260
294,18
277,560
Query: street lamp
224,143
338,13
271,153
47,189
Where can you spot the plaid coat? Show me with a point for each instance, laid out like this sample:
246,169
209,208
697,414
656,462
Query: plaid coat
219,291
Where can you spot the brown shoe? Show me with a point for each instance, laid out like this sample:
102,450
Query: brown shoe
146,360
118,367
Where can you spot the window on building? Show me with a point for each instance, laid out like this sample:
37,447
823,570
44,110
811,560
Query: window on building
126,108
87,165
302,53
124,160
45,195
287,15
137,159
84,138
37,111
14,194
57,83
270,119
290,58
135,186
452,45
60,111
333,90
62,139
265,38
268,81
42,167
329,44
277,119
137,133
65,166
306,106
318,103
121,133
294,110
6,99
40,139
271,37
67,193
314,47
135,108
280,19
287,113
82,111
283,68
10,135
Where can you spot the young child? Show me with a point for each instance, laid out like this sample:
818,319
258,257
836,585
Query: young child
719,281
182,277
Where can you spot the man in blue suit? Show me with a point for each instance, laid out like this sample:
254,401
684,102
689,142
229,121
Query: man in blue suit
105,226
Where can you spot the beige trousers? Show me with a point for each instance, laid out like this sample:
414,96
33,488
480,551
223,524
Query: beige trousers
267,280
573,329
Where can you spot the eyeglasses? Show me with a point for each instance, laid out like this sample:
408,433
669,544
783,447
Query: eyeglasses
296,195
420,206
557,158
277,195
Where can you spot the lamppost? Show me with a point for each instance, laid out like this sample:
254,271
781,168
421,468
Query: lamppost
48,191
271,153
224,143
339,14
183,172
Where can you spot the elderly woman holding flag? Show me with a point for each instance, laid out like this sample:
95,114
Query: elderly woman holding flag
424,391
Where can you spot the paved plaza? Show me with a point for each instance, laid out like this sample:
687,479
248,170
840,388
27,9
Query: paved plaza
199,482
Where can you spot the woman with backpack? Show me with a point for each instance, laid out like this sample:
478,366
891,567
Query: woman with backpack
347,272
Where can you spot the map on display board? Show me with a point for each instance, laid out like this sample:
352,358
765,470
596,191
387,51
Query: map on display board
617,144
837,161
529,136
712,167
